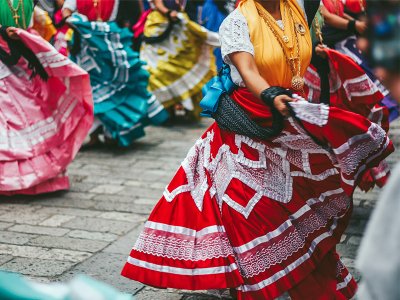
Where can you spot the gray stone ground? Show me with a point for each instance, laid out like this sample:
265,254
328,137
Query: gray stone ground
91,228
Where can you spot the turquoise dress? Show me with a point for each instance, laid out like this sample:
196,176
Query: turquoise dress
122,102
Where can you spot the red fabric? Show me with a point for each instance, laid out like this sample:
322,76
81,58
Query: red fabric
104,8
254,106
334,6
352,79
138,28
260,216
356,6
327,281
59,41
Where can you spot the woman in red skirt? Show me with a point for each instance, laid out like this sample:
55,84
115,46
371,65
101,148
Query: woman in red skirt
262,216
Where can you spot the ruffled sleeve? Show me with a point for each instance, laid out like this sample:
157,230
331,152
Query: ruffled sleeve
234,35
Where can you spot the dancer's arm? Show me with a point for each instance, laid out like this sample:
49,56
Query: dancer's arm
159,5
68,8
341,23
12,33
246,65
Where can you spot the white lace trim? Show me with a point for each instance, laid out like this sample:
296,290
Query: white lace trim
266,252
182,247
360,147
310,112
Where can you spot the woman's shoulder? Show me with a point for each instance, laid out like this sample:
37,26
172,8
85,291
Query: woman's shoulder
234,21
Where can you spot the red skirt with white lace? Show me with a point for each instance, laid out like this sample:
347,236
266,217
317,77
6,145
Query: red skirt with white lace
262,217
352,90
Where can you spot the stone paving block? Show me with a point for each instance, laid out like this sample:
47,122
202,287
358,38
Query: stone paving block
68,243
70,211
25,215
91,235
78,195
37,267
148,165
4,225
101,225
22,251
65,255
5,258
104,180
15,238
121,217
70,202
125,243
107,268
146,201
38,279
115,199
39,230
107,189
10,207
151,294
124,207
136,183
82,186
56,220
136,192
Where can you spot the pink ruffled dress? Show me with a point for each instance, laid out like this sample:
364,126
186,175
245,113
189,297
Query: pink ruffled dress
42,123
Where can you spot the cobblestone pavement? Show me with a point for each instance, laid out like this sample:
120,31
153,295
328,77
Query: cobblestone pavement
91,228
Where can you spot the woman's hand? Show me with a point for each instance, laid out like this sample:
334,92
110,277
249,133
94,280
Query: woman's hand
361,26
12,33
320,50
280,103
174,15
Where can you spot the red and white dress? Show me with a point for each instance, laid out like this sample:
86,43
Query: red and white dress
261,216
351,90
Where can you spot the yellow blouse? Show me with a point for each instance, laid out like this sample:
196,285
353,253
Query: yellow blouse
269,56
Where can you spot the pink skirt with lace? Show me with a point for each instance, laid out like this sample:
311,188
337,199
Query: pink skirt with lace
42,123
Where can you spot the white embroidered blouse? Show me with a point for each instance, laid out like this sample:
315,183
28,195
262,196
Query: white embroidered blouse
235,37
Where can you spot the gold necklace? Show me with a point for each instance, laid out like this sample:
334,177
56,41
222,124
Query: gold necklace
268,18
297,81
15,14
